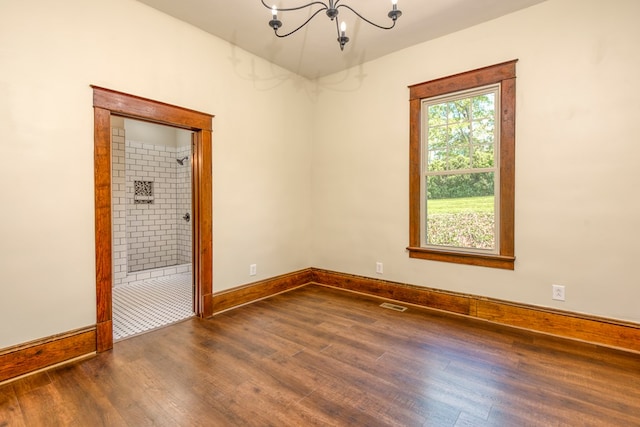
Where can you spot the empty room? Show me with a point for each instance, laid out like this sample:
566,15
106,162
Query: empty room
245,213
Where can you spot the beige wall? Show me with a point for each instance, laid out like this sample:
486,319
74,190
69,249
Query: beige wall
50,53
577,174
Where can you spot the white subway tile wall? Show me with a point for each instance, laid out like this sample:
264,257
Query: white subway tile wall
184,205
152,229
118,206
154,235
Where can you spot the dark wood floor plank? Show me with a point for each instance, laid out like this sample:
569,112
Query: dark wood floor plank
326,357
339,410
130,398
11,413
392,405
185,393
46,406
254,338
31,382
73,386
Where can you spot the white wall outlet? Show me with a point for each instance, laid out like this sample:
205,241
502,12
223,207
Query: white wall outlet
379,268
557,292
253,269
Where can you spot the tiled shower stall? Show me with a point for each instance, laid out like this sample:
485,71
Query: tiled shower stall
151,197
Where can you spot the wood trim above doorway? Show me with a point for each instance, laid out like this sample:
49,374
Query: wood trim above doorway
135,107
108,102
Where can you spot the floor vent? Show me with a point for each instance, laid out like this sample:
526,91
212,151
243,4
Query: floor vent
393,306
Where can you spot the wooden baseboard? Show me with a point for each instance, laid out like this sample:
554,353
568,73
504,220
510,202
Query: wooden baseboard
447,301
225,300
592,329
30,357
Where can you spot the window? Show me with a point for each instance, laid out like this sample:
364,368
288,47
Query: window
462,158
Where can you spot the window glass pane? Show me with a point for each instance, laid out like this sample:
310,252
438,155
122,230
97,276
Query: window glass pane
437,114
437,160
484,131
483,156
459,135
484,106
459,146
460,159
438,137
459,110
460,210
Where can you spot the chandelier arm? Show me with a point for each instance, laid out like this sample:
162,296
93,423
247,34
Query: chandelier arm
302,25
365,19
324,6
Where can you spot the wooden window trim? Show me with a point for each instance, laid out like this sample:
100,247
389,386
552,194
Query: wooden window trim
505,75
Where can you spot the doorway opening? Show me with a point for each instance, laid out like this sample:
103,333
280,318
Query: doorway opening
151,187
107,104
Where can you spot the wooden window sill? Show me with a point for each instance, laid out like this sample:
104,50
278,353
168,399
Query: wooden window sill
469,258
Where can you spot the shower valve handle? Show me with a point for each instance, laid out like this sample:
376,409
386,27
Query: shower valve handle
187,217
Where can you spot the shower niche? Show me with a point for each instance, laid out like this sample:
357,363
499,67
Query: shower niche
151,192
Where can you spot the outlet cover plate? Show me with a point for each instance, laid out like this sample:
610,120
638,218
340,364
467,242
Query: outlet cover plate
379,268
557,292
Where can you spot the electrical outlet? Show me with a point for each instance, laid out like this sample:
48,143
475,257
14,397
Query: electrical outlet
253,269
557,292
379,269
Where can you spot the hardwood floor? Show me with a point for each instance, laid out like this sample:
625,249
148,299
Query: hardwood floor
321,356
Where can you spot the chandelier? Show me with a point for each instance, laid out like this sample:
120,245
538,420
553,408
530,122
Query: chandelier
331,10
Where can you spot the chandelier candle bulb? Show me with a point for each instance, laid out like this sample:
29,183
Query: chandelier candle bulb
394,14
343,28
274,12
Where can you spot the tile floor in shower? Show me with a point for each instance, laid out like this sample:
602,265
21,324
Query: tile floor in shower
151,303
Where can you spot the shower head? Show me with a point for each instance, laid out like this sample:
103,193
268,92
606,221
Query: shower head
181,161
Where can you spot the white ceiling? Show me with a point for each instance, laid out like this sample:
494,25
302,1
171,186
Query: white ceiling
313,51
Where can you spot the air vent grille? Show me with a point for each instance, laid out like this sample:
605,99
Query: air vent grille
393,306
